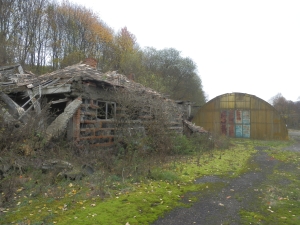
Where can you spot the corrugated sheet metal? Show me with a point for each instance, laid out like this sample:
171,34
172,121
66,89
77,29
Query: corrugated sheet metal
241,115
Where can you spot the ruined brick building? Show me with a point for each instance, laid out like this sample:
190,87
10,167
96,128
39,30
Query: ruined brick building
86,104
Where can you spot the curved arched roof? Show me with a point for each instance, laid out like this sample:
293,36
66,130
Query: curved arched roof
241,115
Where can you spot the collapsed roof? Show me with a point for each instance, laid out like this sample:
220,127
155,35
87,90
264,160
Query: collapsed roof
63,77
77,82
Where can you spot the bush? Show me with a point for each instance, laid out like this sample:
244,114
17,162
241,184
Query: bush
183,145
197,143
158,174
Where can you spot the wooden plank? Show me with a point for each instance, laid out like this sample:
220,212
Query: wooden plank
97,137
97,129
25,113
43,85
6,83
20,69
60,101
88,121
37,106
59,125
14,109
56,90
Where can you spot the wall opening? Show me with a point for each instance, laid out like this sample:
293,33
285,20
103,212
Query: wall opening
235,123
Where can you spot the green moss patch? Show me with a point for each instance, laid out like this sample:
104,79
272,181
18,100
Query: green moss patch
279,202
136,201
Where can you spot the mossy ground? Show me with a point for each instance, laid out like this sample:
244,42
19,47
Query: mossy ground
130,201
279,201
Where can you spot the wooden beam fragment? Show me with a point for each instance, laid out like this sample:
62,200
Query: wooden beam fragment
60,101
59,125
54,89
13,108
20,69
43,85
34,101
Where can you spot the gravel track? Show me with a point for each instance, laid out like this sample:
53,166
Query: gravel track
222,205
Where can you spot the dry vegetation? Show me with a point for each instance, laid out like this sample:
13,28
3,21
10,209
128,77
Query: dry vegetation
140,147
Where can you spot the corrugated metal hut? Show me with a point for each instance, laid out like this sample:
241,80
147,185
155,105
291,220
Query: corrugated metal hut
243,116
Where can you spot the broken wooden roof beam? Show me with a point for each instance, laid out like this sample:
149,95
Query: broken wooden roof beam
7,70
65,88
14,109
60,101
59,125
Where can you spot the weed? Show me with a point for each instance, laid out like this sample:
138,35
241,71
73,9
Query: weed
143,177
134,201
158,174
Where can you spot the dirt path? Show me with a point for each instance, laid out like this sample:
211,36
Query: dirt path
222,205
294,134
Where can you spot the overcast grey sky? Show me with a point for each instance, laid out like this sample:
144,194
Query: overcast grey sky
239,46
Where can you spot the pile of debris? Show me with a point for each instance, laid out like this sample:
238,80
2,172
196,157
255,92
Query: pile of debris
191,128
84,101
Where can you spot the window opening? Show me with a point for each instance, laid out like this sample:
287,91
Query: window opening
106,110
110,109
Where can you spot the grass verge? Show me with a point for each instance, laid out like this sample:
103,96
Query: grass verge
279,201
136,201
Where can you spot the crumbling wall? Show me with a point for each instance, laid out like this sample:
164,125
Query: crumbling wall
87,128
134,112
136,109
